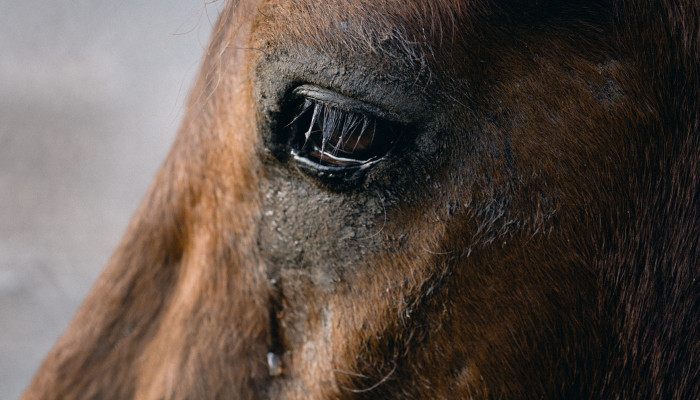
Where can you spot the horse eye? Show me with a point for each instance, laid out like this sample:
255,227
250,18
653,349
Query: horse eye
329,138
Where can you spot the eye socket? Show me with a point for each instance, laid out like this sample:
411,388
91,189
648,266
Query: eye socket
332,138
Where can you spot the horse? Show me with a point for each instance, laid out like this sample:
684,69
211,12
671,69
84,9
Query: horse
414,199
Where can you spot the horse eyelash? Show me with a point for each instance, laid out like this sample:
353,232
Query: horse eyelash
332,119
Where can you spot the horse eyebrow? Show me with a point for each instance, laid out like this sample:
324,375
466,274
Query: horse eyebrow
403,35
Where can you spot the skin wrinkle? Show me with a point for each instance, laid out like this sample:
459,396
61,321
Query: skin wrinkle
534,235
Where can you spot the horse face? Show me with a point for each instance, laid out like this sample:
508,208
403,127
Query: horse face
465,233
419,199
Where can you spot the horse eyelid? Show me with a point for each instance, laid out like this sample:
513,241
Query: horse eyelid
343,102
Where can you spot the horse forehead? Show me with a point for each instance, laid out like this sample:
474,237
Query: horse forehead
412,35
316,13
357,23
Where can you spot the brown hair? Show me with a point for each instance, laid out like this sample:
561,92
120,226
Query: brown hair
535,237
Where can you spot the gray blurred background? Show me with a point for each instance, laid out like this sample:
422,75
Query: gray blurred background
91,96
